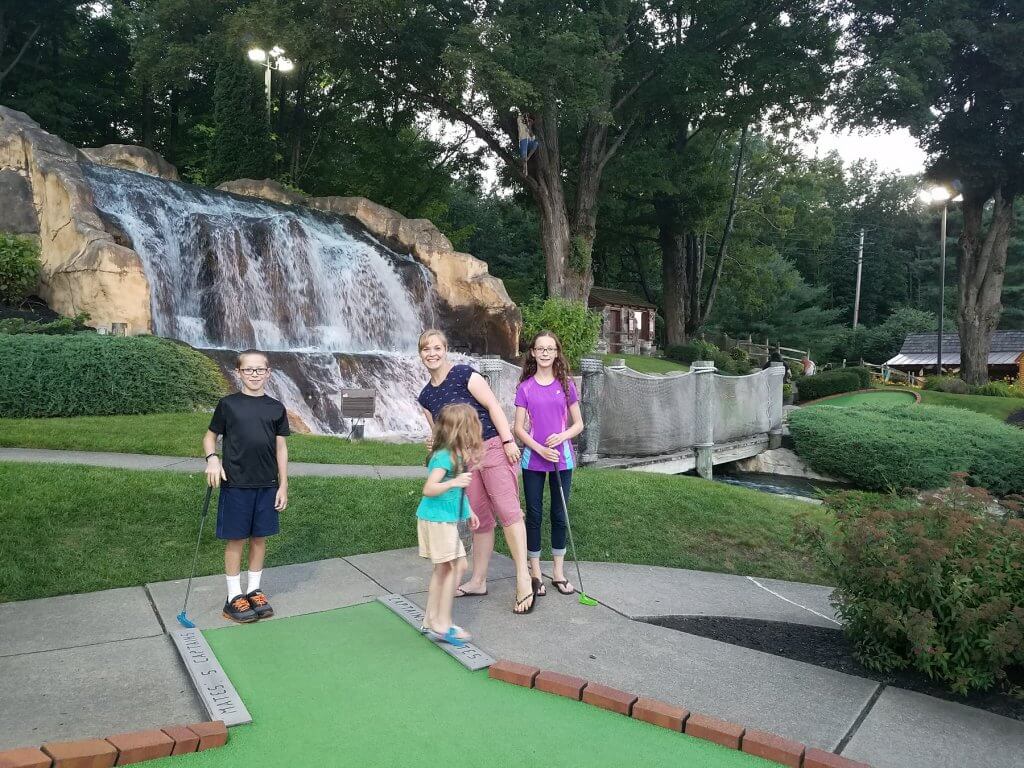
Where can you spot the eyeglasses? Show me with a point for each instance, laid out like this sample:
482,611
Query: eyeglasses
545,350
254,371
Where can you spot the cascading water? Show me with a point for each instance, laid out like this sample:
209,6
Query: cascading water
335,308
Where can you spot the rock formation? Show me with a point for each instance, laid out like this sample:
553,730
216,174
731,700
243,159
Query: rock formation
88,265
131,158
84,270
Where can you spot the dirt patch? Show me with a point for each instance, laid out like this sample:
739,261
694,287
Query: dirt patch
829,648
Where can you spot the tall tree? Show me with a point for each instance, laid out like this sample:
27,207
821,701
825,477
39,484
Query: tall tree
241,146
950,71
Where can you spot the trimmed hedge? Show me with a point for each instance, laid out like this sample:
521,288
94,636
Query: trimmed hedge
91,375
909,446
954,385
863,375
828,383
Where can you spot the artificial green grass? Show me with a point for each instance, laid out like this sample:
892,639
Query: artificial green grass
358,686
647,364
69,529
999,407
181,434
880,397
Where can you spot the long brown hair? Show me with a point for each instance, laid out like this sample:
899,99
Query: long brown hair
560,365
458,430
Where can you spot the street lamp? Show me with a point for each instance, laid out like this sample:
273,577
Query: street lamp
271,60
934,196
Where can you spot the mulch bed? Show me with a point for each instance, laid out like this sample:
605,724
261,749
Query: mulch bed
829,648
1016,418
32,309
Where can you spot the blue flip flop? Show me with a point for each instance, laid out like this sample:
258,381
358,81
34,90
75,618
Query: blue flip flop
449,637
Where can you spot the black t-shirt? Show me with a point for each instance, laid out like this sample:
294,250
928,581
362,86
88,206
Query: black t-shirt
250,426
455,389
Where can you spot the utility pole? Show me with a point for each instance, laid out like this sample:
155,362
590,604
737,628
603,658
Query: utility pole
860,265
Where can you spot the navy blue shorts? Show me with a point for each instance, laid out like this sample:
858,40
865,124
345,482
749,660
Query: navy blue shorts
246,512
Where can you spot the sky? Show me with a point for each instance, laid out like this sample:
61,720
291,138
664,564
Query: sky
895,151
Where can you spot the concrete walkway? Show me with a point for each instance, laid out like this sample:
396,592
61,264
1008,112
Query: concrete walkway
193,465
60,658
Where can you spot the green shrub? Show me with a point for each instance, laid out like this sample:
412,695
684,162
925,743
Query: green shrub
576,326
951,384
827,383
909,446
997,389
19,267
862,373
91,375
934,585
727,363
59,327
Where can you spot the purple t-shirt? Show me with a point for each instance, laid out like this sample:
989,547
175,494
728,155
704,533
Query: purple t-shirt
549,413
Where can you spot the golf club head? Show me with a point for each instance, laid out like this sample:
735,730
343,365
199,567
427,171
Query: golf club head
185,622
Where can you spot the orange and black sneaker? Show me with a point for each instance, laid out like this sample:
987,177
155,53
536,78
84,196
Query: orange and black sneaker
240,610
259,604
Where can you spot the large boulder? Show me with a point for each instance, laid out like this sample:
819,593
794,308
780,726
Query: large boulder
84,269
265,189
17,214
478,309
128,157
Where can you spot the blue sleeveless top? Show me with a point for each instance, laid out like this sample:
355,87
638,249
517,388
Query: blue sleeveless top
455,389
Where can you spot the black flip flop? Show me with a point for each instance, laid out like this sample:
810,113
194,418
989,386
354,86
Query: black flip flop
520,602
559,584
538,585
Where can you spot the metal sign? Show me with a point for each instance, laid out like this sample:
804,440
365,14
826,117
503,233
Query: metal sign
219,696
468,655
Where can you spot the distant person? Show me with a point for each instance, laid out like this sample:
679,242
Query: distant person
456,445
253,481
494,489
809,366
547,397
527,140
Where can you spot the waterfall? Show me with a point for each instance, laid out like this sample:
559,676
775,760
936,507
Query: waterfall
333,306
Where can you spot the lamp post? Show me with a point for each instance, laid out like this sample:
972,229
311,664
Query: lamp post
935,195
271,60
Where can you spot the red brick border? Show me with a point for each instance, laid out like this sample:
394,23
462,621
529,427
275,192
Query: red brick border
119,749
729,735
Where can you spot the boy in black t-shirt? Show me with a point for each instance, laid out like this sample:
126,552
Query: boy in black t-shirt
253,481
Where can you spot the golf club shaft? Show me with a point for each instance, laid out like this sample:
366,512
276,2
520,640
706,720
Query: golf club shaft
199,538
568,527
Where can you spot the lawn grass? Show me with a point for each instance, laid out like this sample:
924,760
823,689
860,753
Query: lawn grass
646,364
69,529
878,397
181,434
999,407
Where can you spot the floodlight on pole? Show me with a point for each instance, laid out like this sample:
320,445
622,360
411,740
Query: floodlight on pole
941,193
271,60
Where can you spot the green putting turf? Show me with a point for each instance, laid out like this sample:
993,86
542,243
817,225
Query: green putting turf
880,397
358,686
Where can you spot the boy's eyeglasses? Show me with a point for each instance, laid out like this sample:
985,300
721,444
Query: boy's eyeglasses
545,350
254,371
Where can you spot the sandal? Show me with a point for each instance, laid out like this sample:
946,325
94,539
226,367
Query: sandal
538,587
460,592
563,587
533,602
449,637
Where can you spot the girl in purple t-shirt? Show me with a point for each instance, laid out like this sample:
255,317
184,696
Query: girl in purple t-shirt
547,395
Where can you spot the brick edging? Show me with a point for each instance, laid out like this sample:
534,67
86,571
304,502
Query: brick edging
915,393
121,748
754,742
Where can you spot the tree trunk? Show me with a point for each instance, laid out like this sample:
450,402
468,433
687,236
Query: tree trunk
147,115
982,266
675,286
170,145
298,125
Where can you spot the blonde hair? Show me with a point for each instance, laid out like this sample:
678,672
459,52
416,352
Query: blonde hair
428,334
251,353
458,430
